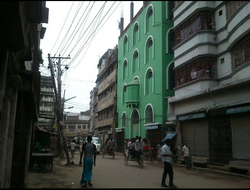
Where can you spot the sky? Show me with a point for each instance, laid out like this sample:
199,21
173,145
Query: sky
81,32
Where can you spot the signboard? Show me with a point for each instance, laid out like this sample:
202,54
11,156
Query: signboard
238,110
149,127
191,116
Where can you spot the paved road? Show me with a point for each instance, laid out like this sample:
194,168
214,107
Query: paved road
110,173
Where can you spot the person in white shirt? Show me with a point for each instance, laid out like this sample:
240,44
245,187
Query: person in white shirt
131,147
167,159
72,148
187,156
138,146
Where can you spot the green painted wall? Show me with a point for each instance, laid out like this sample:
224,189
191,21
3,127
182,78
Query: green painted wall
159,65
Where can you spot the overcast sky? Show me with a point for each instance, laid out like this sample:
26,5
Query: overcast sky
85,30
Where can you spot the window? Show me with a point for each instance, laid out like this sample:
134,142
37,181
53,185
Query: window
136,55
150,13
200,68
150,75
240,53
150,43
231,7
135,118
136,28
200,21
149,115
124,120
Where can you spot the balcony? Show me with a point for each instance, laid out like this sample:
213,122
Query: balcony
105,122
107,82
107,101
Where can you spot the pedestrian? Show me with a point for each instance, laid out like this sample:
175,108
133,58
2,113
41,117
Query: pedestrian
138,147
72,148
89,160
187,156
167,158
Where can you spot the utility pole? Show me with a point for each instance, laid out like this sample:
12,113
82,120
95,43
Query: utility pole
59,107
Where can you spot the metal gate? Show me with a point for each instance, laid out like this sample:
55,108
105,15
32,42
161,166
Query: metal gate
220,139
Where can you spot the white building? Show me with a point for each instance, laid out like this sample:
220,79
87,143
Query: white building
211,105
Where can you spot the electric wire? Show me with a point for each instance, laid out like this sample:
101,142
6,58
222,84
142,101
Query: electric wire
62,27
93,34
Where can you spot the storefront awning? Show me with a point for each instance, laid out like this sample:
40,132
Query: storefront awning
43,130
169,136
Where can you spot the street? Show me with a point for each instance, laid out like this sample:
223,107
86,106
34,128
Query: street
112,173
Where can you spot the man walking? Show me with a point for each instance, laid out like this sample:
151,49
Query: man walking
186,155
72,148
167,156
89,150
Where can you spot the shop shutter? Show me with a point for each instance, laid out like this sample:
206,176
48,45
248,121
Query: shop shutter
187,130
241,139
201,140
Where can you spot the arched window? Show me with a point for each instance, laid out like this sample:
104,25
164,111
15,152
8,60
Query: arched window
125,69
135,118
149,115
150,75
149,50
136,33
125,44
149,81
124,120
135,63
149,19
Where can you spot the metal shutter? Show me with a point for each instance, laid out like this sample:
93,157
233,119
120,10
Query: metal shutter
241,139
201,138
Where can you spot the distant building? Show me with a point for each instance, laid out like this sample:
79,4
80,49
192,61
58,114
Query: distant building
106,118
93,110
76,125
46,118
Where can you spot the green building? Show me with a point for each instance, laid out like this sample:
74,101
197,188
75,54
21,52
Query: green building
145,72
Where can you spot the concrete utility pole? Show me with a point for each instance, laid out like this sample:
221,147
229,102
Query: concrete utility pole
59,106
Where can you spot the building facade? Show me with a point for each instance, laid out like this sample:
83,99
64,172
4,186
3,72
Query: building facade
93,110
47,116
145,72
21,57
76,125
212,64
106,118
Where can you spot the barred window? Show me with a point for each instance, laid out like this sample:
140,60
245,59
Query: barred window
231,7
200,21
240,53
200,68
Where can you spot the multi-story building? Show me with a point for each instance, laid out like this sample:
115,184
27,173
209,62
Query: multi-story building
212,65
106,81
145,72
46,119
93,110
76,125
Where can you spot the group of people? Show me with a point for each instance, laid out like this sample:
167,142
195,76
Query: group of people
135,146
89,160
